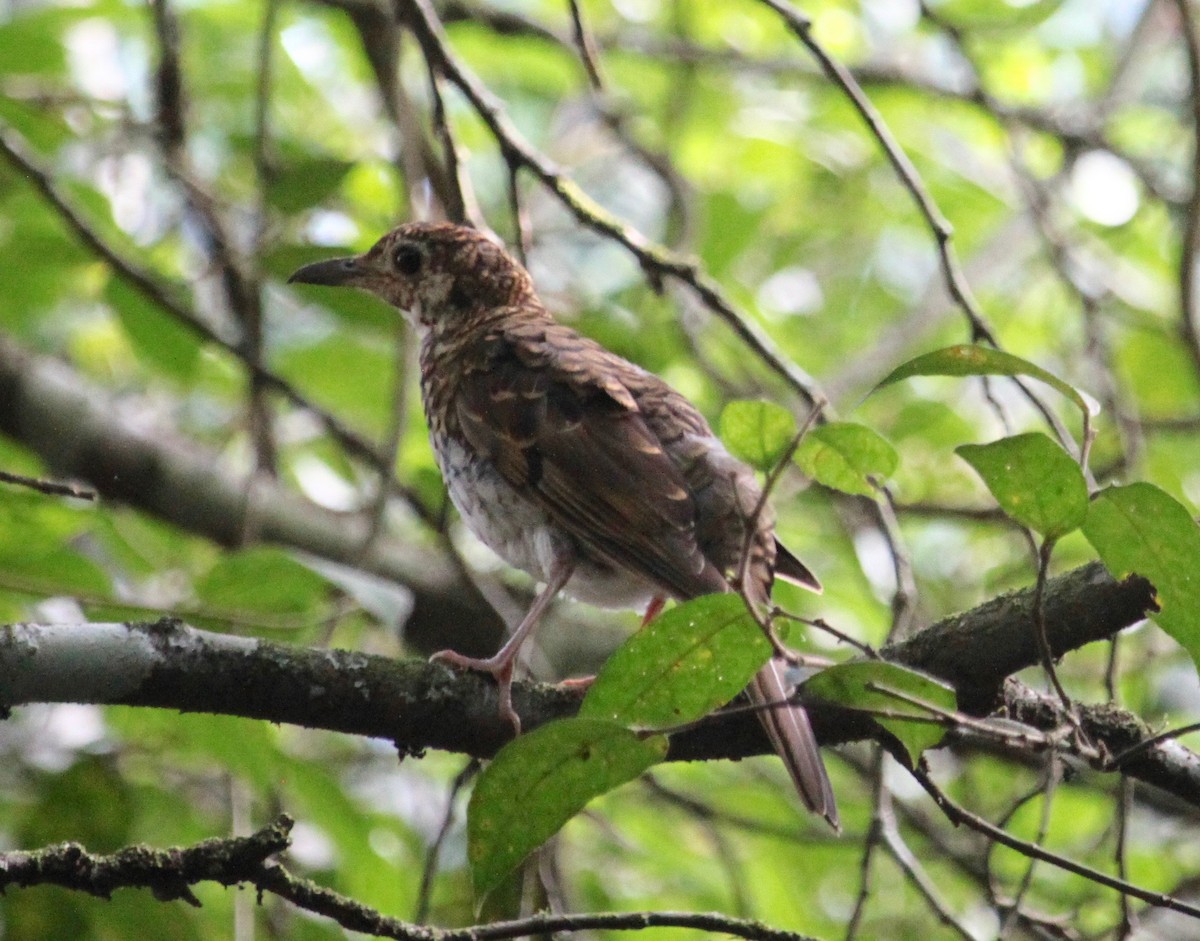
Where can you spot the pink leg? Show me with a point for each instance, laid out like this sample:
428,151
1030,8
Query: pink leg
654,608
657,603
501,665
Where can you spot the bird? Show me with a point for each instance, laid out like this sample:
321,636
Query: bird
575,465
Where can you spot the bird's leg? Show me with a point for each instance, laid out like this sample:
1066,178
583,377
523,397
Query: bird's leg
500,666
654,608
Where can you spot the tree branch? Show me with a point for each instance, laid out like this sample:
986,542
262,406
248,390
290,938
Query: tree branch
419,705
170,873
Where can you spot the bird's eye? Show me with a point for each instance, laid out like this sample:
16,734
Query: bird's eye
408,259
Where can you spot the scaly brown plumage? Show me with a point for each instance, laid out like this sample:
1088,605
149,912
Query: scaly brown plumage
571,463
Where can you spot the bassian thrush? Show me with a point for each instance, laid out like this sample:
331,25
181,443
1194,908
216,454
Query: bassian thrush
573,464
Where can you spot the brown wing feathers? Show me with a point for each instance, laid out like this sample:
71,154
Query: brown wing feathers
549,431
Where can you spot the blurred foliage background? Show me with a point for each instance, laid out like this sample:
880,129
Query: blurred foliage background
167,165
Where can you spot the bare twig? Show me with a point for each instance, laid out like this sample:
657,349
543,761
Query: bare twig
1190,242
1044,552
429,870
585,44
171,873
48,487
959,815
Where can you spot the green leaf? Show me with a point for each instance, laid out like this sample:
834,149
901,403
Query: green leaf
540,781
869,685
262,579
60,572
971,360
1034,480
306,182
844,455
158,338
1142,529
757,432
322,370
29,45
680,666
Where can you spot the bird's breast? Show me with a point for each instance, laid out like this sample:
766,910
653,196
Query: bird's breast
522,532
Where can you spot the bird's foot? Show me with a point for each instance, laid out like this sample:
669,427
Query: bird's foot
577,682
499,667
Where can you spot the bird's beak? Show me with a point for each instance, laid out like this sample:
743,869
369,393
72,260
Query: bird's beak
336,272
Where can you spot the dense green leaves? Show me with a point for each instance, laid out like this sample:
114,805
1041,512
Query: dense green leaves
1034,481
1140,529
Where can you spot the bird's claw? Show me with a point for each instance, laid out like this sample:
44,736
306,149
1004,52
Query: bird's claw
498,668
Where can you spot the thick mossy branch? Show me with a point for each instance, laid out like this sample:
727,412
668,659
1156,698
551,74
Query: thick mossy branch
420,705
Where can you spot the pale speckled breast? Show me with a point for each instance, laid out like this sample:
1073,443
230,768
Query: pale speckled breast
522,533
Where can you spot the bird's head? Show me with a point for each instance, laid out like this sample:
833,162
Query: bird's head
433,272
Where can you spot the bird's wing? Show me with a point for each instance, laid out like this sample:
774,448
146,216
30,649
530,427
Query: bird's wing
560,425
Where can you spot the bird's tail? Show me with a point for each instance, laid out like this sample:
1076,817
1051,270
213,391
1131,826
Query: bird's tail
792,735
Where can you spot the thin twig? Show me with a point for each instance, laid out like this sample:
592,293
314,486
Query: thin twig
1124,799
1044,552
870,844
585,45
48,487
1189,248
959,815
918,877
1047,789
1146,744
14,150
429,870
656,261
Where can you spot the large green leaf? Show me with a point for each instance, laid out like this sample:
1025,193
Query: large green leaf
972,360
680,666
1034,481
305,183
30,44
1144,530
541,780
159,339
262,578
